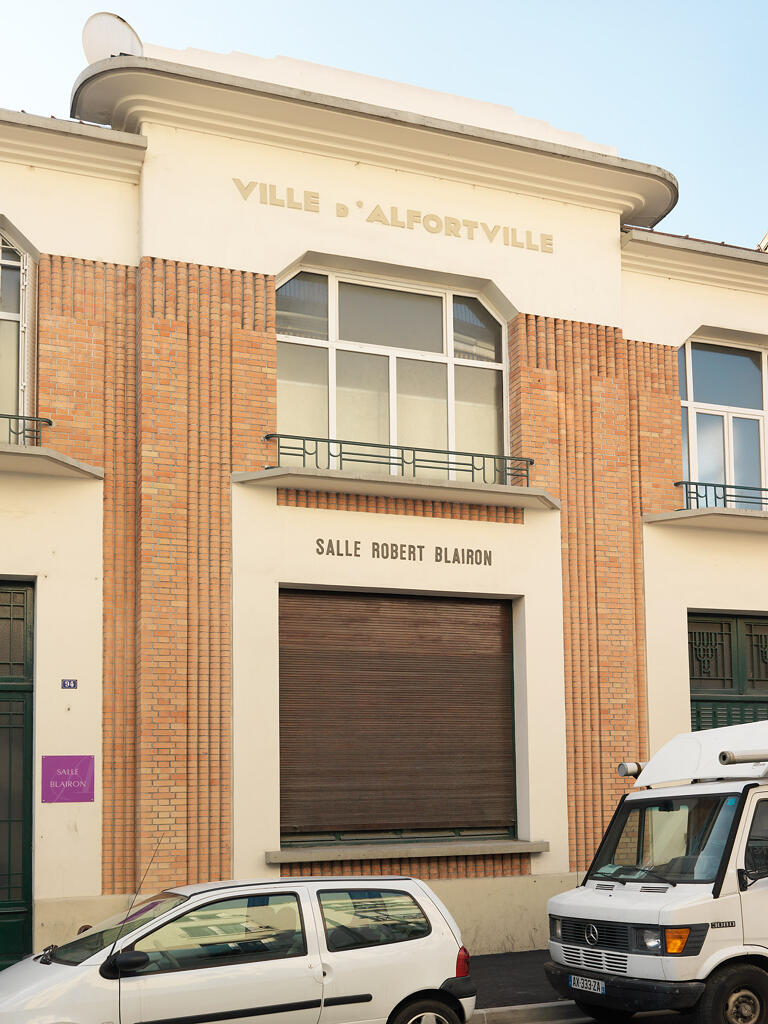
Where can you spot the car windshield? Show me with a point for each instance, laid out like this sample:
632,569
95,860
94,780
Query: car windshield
677,839
104,934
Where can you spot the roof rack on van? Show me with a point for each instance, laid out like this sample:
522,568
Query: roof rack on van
732,752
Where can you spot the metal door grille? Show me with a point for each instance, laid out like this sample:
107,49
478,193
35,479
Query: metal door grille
728,667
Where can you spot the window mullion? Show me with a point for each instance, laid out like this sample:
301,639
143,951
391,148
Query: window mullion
451,382
392,407
730,461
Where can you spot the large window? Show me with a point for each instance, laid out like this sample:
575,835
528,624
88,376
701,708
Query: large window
376,363
16,356
723,391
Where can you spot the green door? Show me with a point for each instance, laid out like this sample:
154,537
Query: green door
16,646
728,662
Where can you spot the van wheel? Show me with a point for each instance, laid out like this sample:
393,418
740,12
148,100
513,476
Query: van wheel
603,1013
735,995
426,1011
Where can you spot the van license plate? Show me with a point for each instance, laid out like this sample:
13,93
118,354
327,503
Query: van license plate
587,984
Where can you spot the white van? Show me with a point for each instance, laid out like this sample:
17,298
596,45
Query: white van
673,912
332,950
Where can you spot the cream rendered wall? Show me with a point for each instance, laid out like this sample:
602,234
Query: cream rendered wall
69,214
668,311
51,533
274,545
692,568
191,210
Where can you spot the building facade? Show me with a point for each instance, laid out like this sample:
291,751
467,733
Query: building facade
373,479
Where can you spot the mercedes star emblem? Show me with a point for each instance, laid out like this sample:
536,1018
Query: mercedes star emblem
591,934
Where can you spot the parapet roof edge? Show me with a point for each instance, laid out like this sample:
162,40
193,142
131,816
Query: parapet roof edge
684,243
91,132
362,109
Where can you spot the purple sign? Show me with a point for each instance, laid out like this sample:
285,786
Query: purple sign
68,779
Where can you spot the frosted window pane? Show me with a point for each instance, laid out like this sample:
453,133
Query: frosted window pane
379,316
302,306
10,289
686,458
476,334
9,372
302,390
709,441
681,378
362,397
422,404
727,376
479,420
746,452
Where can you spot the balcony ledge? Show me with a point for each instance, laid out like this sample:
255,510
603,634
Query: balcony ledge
33,461
380,484
745,520
387,850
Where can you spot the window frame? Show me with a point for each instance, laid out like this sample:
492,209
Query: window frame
335,343
727,412
224,961
369,945
25,385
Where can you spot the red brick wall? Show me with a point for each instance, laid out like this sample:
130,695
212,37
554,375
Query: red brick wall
87,386
601,417
398,506
492,866
165,376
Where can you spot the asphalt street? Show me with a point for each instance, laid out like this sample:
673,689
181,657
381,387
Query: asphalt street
517,980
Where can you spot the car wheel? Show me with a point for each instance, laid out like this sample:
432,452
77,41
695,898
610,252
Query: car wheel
603,1012
735,995
426,1011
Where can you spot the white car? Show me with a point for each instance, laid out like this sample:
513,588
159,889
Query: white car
333,950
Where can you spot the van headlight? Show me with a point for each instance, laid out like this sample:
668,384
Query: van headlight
647,940
556,929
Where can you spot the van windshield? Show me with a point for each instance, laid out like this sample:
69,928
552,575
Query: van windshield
104,934
677,839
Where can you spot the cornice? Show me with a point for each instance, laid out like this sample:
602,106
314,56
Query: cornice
694,261
68,146
128,92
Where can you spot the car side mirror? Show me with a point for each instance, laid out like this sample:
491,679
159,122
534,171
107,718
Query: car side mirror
126,962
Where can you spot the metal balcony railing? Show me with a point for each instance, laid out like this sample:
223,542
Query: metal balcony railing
23,430
400,460
699,494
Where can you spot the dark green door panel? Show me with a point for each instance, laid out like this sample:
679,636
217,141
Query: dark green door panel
16,632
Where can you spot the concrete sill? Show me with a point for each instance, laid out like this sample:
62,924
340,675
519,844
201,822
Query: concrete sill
712,519
31,461
399,487
385,850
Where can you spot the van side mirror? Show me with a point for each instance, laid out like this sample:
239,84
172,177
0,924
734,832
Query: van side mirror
126,962
747,877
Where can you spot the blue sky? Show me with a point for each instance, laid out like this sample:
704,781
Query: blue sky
677,83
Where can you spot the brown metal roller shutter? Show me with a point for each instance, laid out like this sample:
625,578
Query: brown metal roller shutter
395,712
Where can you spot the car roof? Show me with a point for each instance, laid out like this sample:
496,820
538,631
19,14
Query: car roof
233,883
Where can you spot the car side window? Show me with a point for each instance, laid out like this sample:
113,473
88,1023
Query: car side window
756,855
256,927
356,918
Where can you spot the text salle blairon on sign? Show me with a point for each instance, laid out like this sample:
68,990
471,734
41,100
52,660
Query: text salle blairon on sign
395,551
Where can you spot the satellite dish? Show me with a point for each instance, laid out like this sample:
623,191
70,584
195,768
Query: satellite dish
109,35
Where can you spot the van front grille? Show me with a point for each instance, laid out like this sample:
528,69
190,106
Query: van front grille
595,960
612,935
